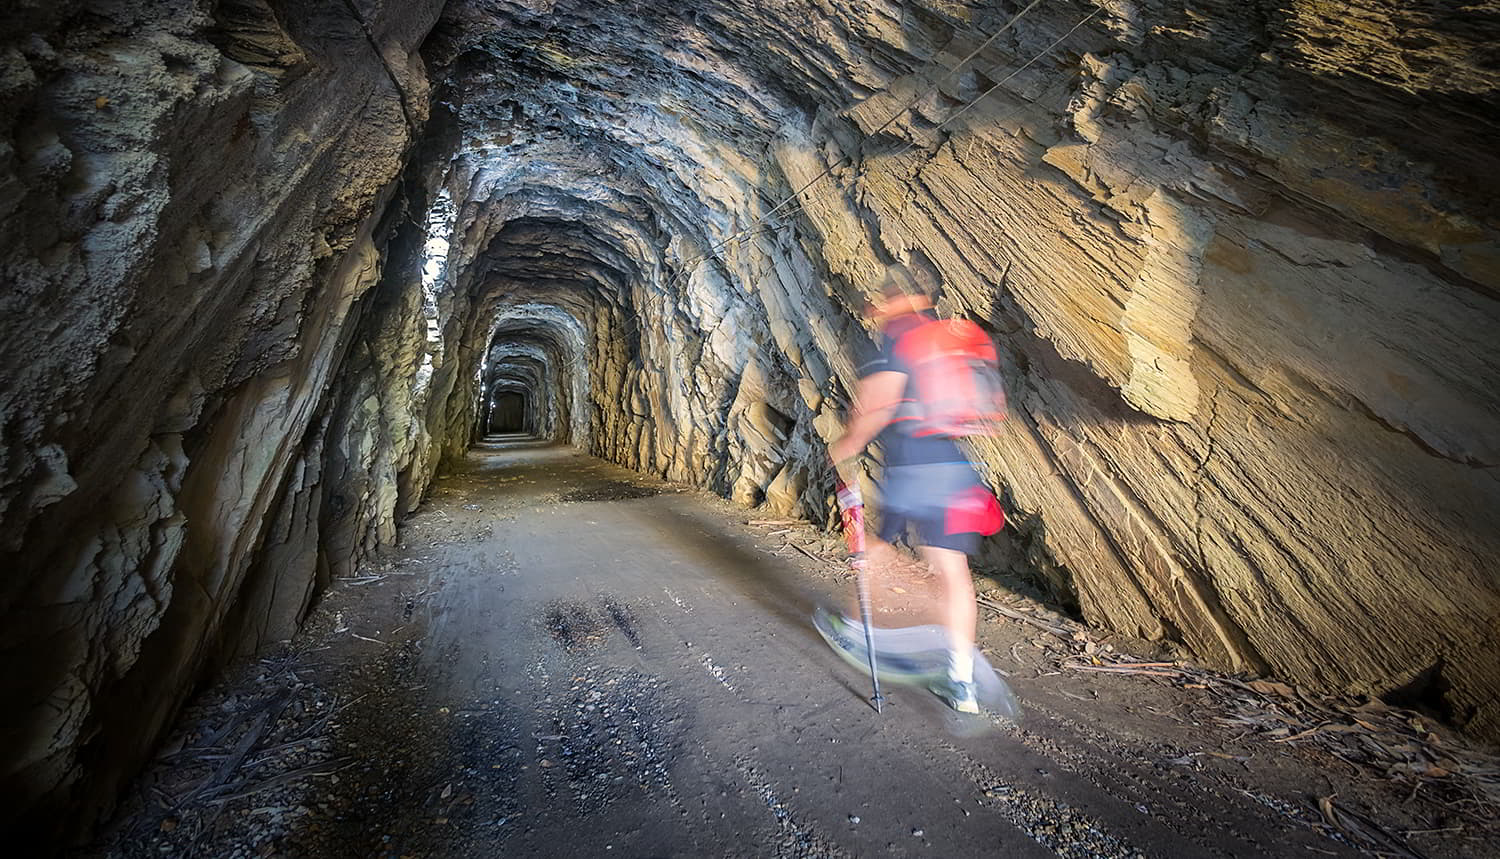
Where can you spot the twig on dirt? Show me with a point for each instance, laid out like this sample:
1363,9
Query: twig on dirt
347,704
268,755
212,741
1121,669
366,638
219,776
808,554
1024,618
1364,831
1410,832
1317,729
324,768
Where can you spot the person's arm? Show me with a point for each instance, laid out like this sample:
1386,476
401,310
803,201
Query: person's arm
875,403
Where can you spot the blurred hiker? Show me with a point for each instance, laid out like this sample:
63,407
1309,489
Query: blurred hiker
932,382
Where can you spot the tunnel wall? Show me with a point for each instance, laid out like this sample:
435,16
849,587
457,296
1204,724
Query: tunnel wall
191,216
1247,308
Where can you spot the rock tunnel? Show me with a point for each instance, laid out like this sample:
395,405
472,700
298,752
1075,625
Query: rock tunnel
273,266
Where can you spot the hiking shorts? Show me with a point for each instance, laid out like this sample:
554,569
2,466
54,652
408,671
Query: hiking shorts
946,503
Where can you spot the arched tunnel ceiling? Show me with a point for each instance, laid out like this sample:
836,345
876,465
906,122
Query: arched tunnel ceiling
597,156
615,92
595,171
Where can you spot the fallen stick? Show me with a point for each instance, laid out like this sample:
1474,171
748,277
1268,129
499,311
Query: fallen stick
1324,727
1116,669
807,553
1366,833
218,778
1410,832
326,768
1024,618
340,708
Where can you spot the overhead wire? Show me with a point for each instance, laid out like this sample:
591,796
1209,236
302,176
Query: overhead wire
758,225
932,88
978,98
910,104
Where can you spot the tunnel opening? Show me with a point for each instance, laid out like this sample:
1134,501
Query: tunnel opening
534,374
509,414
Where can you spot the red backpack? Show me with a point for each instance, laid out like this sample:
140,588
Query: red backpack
955,378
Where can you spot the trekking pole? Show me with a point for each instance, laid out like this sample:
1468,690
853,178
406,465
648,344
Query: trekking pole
852,507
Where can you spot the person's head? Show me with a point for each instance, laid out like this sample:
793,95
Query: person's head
901,292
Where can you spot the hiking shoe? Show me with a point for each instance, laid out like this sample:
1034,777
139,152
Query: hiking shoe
847,639
958,694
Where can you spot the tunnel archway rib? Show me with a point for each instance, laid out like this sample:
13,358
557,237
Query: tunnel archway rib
532,368
523,379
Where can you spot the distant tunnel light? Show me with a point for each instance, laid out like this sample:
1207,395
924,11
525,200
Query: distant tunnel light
434,264
508,414
435,251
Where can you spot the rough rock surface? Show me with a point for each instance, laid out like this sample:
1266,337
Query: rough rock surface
189,204
1243,260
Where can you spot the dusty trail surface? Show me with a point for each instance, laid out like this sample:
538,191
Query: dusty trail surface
566,659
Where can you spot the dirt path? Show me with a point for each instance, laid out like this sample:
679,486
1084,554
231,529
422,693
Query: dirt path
566,659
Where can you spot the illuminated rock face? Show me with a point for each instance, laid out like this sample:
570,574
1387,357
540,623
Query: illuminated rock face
266,267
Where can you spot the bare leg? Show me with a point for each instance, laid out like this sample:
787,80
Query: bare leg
958,610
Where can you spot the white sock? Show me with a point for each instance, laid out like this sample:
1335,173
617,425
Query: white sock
961,666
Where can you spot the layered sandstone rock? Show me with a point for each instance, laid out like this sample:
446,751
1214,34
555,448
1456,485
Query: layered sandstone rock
1241,259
